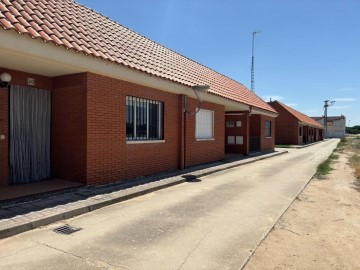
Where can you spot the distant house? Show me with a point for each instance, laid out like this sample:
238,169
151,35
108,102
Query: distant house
91,101
336,126
294,127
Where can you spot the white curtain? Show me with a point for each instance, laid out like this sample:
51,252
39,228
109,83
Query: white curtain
30,119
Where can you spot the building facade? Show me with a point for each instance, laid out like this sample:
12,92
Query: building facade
94,102
336,126
294,127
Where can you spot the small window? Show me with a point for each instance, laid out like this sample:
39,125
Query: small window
204,125
300,131
144,119
267,128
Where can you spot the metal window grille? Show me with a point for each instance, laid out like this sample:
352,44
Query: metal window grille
144,119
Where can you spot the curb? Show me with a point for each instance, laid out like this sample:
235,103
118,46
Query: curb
81,205
301,146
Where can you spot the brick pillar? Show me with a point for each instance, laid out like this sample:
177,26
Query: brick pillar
182,133
247,137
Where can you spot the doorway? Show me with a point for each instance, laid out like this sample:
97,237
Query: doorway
29,134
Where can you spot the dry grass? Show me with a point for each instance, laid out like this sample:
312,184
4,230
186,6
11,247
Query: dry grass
353,148
357,172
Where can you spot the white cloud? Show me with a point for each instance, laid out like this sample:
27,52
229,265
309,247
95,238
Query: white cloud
292,104
347,89
278,98
345,99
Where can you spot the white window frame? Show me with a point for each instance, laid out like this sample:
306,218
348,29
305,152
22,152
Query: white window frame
201,138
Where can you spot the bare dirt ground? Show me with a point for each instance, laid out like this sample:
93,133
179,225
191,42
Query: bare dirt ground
321,229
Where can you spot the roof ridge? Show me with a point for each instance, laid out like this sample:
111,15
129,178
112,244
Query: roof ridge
291,110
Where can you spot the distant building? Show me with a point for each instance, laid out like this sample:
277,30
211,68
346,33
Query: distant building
294,127
336,126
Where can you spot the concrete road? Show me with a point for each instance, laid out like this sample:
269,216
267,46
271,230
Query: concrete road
213,223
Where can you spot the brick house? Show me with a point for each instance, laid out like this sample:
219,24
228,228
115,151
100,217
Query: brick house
294,127
336,126
94,102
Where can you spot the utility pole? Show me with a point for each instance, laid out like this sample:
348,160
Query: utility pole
327,104
253,61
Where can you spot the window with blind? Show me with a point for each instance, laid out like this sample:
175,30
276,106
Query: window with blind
144,119
204,125
267,128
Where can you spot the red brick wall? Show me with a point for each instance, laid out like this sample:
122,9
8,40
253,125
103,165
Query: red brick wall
255,125
18,78
267,143
68,127
110,158
198,152
286,125
88,133
238,131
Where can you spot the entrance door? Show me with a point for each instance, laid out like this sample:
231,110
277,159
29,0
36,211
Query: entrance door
29,150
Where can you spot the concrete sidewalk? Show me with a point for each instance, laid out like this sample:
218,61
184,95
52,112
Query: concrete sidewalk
299,146
21,216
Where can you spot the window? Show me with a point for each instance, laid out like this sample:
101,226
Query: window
144,119
204,125
300,131
267,128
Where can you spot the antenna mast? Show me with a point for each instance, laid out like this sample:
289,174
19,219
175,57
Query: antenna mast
253,61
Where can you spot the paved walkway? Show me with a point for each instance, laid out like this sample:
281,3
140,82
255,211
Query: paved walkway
24,215
299,146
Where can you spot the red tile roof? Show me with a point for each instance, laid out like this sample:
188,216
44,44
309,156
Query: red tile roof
79,28
298,115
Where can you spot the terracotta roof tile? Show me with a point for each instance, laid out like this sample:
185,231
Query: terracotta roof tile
300,116
33,32
10,17
21,29
45,37
79,28
14,11
24,22
6,24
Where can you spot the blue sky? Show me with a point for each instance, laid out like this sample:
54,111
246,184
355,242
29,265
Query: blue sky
307,52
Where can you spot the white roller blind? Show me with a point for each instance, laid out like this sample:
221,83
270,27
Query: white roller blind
204,124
